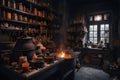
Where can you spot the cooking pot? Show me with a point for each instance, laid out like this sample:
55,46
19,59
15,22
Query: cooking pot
24,46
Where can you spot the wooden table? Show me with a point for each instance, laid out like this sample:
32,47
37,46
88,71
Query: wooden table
39,74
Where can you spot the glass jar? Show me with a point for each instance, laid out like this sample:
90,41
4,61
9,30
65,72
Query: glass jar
9,15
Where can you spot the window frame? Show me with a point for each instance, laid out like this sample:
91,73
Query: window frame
98,23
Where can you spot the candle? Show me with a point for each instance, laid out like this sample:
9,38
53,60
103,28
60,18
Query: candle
25,66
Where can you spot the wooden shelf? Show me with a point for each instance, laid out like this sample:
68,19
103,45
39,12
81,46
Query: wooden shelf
40,7
21,23
74,33
76,25
10,29
25,13
33,16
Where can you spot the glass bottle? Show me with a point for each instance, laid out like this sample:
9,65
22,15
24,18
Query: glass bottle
9,3
20,6
13,4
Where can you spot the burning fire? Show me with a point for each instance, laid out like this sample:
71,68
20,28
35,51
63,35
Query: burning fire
62,54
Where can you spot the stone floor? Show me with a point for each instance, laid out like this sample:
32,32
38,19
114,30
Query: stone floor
89,73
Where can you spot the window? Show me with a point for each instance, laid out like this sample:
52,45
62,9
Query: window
98,18
93,33
99,27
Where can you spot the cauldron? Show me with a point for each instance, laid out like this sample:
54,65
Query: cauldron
67,67
24,46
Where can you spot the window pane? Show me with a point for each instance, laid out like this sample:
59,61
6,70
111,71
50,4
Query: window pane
91,18
91,28
95,27
95,40
107,27
106,40
102,39
91,39
95,34
98,18
106,34
102,27
102,34
91,34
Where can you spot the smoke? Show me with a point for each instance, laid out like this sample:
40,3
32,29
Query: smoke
63,34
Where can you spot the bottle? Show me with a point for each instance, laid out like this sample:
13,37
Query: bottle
20,6
35,11
13,4
16,16
20,17
9,3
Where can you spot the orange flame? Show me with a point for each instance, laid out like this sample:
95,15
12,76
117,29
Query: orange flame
62,54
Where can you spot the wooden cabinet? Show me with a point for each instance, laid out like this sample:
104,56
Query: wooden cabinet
95,56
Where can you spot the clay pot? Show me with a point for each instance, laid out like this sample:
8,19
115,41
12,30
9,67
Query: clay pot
24,46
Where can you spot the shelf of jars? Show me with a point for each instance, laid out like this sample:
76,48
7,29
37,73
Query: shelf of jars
42,5
25,24
75,33
24,16
15,13
34,12
30,14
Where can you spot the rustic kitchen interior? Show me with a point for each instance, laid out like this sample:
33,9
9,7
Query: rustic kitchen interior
59,39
